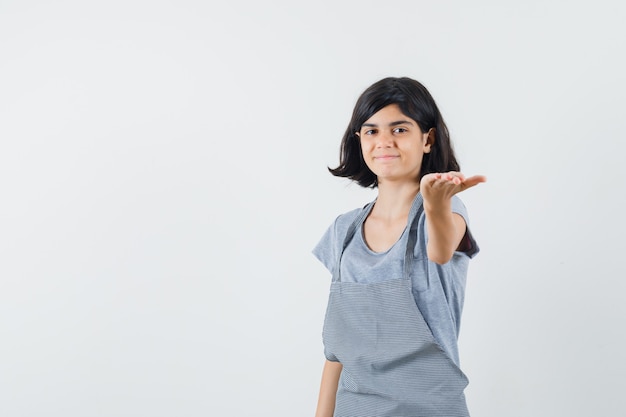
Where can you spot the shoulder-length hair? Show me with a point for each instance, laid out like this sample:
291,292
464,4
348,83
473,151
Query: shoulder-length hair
415,102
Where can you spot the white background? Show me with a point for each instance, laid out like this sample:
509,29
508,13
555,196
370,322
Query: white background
163,180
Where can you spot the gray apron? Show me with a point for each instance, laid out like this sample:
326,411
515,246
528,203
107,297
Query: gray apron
392,365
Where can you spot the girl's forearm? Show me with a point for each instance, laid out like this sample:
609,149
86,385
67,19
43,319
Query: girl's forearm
328,389
445,232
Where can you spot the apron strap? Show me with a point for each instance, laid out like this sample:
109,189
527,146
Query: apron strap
416,211
349,235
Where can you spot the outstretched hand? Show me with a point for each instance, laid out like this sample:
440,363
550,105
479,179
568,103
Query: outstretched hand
440,187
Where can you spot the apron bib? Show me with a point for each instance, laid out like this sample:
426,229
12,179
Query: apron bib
392,365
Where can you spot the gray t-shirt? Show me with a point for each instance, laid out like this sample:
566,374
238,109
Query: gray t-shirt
438,290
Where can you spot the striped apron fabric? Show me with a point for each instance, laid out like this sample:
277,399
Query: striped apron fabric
392,365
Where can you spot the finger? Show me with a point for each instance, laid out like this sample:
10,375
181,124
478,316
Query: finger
455,176
430,179
472,181
448,179
441,180
477,179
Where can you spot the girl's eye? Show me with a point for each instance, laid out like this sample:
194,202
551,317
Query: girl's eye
399,130
370,132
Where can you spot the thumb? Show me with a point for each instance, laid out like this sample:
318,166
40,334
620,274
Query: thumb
472,181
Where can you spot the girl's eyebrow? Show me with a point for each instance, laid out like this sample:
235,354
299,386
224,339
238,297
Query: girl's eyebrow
396,123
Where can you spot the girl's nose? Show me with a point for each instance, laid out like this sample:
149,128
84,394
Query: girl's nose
384,140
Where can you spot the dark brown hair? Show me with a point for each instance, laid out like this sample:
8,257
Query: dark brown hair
415,102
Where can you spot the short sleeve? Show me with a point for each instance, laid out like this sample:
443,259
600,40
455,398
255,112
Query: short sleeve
325,250
459,208
330,245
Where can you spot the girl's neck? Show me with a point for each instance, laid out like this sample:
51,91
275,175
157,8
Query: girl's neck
395,199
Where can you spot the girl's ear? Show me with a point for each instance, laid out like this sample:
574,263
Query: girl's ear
429,140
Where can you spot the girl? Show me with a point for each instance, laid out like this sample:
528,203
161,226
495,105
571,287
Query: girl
398,265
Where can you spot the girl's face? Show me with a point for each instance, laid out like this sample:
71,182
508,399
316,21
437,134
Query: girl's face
393,145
